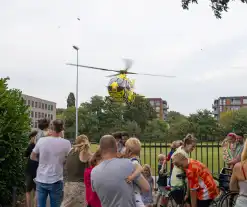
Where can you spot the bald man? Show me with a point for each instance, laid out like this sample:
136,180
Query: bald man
109,177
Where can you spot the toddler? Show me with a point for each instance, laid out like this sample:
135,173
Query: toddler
147,197
132,151
162,181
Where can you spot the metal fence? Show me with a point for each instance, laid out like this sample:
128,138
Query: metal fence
209,153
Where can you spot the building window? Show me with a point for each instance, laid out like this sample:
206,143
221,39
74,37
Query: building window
31,113
51,117
39,105
51,107
29,103
36,125
39,115
45,115
45,106
48,107
236,102
48,116
32,103
42,115
36,115
36,104
32,124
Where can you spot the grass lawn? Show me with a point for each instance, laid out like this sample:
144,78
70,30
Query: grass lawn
208,153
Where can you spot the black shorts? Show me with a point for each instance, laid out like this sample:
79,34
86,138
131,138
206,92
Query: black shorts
204,203
30,184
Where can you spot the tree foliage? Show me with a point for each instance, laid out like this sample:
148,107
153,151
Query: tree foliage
71,100
218,6
14,126
234,121
100,116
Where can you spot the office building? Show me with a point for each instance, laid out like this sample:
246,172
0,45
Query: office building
231,103
40,108
160,106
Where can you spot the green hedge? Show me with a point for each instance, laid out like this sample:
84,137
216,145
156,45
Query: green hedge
14,126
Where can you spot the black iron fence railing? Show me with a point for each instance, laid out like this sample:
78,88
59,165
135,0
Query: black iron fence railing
209,153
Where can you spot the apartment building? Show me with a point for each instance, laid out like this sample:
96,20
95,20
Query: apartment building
40,108
230,103
160,106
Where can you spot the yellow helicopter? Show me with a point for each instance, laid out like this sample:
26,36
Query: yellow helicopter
120,87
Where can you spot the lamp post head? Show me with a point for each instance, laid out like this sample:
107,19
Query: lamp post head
75,47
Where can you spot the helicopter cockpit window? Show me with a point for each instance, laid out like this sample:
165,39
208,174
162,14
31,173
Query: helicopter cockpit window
127,84
112,80
121,82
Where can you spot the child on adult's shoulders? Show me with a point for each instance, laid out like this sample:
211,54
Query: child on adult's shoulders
132,151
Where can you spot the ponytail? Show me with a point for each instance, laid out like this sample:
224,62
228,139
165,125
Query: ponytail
189,139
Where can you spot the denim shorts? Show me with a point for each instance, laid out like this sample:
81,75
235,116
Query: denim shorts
54,190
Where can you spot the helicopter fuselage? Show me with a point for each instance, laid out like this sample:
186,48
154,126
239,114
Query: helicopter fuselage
121,88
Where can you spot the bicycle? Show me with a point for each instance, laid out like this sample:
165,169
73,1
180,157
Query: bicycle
223,183
178,200
229,199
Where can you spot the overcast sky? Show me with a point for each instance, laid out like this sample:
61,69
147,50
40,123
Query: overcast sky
207,55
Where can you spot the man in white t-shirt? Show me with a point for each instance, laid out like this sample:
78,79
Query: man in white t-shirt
52,152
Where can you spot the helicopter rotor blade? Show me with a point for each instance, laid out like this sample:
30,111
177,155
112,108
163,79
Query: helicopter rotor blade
128,63
113,75
159,75
91,67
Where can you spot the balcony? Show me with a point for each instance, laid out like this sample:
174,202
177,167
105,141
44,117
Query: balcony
165,107
216,112
214,106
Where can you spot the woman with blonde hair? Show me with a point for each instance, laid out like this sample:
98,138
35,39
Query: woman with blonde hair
77,161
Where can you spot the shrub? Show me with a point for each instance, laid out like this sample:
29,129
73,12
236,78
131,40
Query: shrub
14,126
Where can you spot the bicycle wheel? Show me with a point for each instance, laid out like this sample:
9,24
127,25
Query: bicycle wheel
221,195
229,199
171,202
213,204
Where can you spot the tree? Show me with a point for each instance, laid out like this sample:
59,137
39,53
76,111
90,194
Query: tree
203,125
218,6
71,100
234,121
156,129
14,126
175,117
60,113
179,130
140,111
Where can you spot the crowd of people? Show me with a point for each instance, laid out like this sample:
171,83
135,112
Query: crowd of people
114,177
